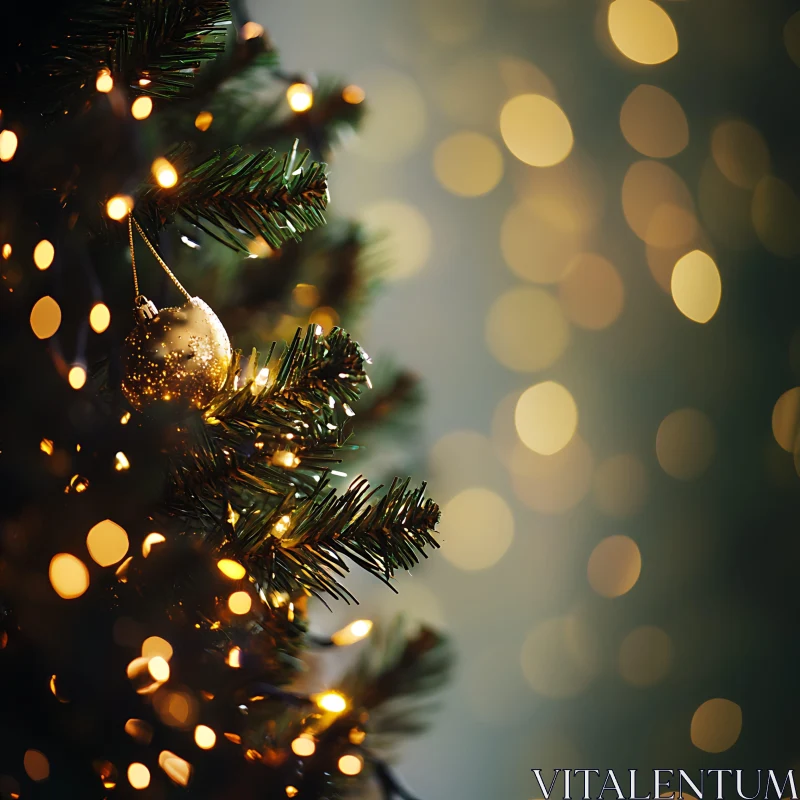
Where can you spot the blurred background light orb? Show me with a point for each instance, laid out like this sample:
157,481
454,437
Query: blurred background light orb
620,485
740,153
614,566
468,164
696,286
775,211
526,330
645,656
716,725
546,417
653,122
476,530
785,419
642,31
536,130
685,443
591,293
403,233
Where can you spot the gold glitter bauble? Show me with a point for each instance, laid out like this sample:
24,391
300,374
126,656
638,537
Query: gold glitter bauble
176,357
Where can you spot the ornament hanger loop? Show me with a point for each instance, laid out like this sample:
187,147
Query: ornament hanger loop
131,222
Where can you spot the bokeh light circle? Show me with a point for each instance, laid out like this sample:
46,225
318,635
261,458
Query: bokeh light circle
546,417
614,566
696,286
653,123
591,293
642,31
468,164
645,656
785,419
403,234
685,443
716,725
536,130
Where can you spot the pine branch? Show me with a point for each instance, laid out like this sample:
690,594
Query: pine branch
166,41
394,669
303,544
261,194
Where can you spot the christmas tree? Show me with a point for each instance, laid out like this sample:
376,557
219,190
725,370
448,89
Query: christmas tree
170,503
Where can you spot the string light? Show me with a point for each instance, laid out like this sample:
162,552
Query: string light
7,251
300,97
203,120
121,462
350,765
291,791
252,30
281,526
154,646
99,317
107,543
46,446
204,737
150,540
158,668
352,633
177,769
304,746
125,418
164,173
141,107
119,206
353,94
231,569
78,484
144,81
138,775
43,254
8,146
104,82
234,658
68,576
240,602
77,376
45,317
331,701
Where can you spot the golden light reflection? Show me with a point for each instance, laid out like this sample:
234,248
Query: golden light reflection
652,122
591,293
657,205
99,317
304,746
620,485
141,107
685,443
204,737
164,173
477,529
177,769
537,241
154,646
43,254
526,329
240,602
6,251
354,632
546,417
46,446
231,569
785,419
36,765
158,667
403,234
121,463
150,541
468,164
68,576
350,764
740,153
332,701
107,543
104,82
559,657
45,317
614,566
8,145
645,656
642,31
696,286
300,97
716,725
138,775
552,484
536,130
775,211
203,120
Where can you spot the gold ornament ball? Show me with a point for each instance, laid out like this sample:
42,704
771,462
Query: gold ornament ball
177,356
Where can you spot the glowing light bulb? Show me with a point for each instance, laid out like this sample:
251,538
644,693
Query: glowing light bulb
104,82
353,94
177,769
234,657
231,569
154,646
43,254
68,576
46,446
138,776
332,701
77,377
149,541
300,97
6,249
350,765
118,207
240,602
141,108
121,462
158,668
8,145
99,317
352,633
304,746
252,30
125,418
203,120
164,173
204,737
